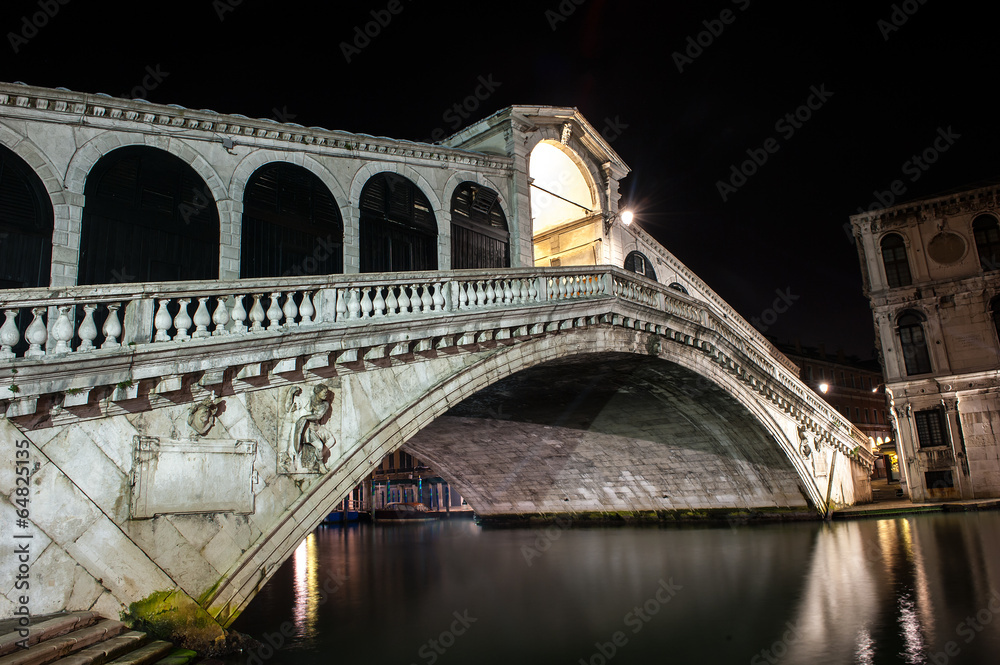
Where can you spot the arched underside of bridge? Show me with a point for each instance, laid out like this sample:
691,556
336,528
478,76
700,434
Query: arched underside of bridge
608,433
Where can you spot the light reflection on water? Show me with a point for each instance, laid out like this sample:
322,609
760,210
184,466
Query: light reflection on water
869,591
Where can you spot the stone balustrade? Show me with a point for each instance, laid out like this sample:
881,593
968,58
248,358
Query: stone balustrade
95,321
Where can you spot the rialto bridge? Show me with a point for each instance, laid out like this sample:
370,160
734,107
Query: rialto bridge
274,332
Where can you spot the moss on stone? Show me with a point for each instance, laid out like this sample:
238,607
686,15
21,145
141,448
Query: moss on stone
174,616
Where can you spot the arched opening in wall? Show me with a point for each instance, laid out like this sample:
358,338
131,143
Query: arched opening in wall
638,263
25,225
26,220
566,220
897,266
987,233
479,234
148,217
913,342
677,286
291,224
398,230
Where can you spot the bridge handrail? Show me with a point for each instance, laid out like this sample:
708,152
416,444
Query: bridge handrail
71,320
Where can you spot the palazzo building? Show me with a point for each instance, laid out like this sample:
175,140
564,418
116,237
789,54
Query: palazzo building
931,271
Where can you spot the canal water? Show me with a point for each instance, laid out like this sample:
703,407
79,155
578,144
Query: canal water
916,589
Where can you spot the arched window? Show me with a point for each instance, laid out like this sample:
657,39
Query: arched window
479,235
913,344
897,267
398,230
677,286
987,234
291,224
148,218
25,225
638,263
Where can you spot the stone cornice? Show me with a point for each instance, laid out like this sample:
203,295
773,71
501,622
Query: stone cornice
26,101
948,205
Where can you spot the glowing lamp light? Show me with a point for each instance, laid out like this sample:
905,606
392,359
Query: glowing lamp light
626,217
823,387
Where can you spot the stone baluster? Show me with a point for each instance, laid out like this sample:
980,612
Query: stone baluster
378,303
220,317
438,299
426,301
491,294
561,290
36,334
290,310
480,294
112,328
162,321
354,305
257,313
341,305
9,334
274,312
306,309
202,320
88,329
62,332
366,304
515,292
239,315
404,301
463,295
533,293
391,302
183,322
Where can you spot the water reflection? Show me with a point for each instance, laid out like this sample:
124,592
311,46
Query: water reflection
874,591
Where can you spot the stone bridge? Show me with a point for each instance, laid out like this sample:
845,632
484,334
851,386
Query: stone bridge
206,429
179,409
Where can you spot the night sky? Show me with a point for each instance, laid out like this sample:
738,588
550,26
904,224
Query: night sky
885,81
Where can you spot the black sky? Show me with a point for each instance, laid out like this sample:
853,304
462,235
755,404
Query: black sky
892,90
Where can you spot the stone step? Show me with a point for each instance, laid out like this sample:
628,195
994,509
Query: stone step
43,628
146,655
99,654
54,648
179,657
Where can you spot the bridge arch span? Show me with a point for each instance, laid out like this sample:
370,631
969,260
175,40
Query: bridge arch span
430,390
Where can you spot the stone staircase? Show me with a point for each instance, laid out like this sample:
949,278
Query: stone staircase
86,638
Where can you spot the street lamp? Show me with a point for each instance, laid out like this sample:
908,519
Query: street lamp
609,219
824,387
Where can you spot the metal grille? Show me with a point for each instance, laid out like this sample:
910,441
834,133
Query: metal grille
398,230
479,234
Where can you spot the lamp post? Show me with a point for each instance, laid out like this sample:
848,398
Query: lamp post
625,216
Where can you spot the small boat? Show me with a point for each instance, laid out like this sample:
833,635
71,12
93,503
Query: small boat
398,511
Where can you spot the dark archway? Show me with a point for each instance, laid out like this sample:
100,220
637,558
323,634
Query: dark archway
148,217
479,234
26,220
291,224
398,230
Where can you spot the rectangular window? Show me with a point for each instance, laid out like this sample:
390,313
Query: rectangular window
809,373
868,383
822,373
930,428
392,460
843,380
857,415
866,416
853,384
938,480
